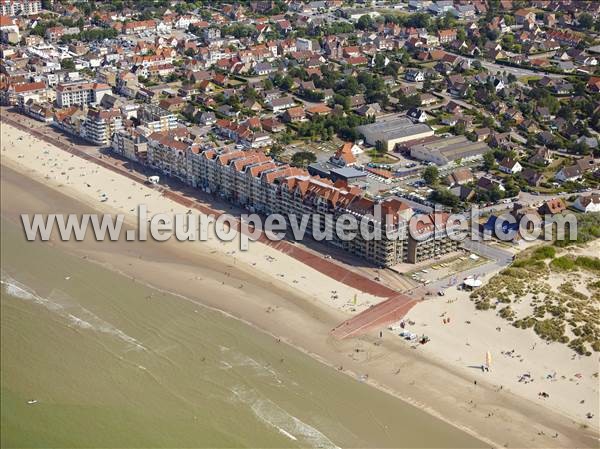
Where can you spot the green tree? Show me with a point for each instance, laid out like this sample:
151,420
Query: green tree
303,158
585,21
431,175
365,22
67,64
489,161
445,197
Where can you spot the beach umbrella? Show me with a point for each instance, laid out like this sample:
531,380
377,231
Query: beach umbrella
488,359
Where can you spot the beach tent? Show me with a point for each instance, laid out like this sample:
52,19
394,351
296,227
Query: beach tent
472,282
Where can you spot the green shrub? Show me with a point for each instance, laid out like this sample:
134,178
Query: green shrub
563,263
595,285
589,263
550,329
507,313
544,252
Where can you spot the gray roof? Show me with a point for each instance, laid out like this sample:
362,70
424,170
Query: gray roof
348,172
453,148
394,129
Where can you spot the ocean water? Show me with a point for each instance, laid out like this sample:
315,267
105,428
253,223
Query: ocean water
91,358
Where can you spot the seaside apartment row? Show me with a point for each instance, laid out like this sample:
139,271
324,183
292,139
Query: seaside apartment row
254,181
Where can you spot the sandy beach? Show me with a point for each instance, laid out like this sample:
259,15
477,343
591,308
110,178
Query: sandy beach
299,305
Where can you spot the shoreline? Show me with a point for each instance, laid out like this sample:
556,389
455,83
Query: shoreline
388,348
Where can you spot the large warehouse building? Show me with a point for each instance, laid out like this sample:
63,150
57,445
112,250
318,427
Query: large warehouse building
394,131
449,149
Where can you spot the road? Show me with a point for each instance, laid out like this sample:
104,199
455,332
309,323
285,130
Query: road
517,71
498,259
529,199
500,256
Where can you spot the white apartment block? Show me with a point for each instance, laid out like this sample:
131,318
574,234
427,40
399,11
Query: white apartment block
156,119
100,125
80,93
23,7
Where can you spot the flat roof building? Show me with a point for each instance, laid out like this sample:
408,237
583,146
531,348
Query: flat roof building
335,173
442,151
395,131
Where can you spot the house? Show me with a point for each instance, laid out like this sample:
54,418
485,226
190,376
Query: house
208,118
9,31
175,104
504,229
417,115
295,114
552,207
228,111
453,108
272,125
263,68
414,75
587,204
570,173
281,104
464,193
522,16
543,156
593,84
428,99
318,109
252,105
446,36
488,184
356,101
510,166
464,11
344,156
532,177
457,85
577,170
369,110
587,164
459,177
482,134
543,113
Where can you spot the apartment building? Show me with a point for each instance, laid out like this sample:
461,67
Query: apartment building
156,119
433,237
130,144
80,93
250,179
100,125
20,7
253,181
170,151
18,94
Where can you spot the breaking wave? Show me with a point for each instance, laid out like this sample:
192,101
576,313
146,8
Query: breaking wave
285,423
61,304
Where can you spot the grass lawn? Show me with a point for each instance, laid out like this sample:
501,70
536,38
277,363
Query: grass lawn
379,158
526,79
552,168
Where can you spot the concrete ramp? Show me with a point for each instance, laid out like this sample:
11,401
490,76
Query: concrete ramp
382,314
